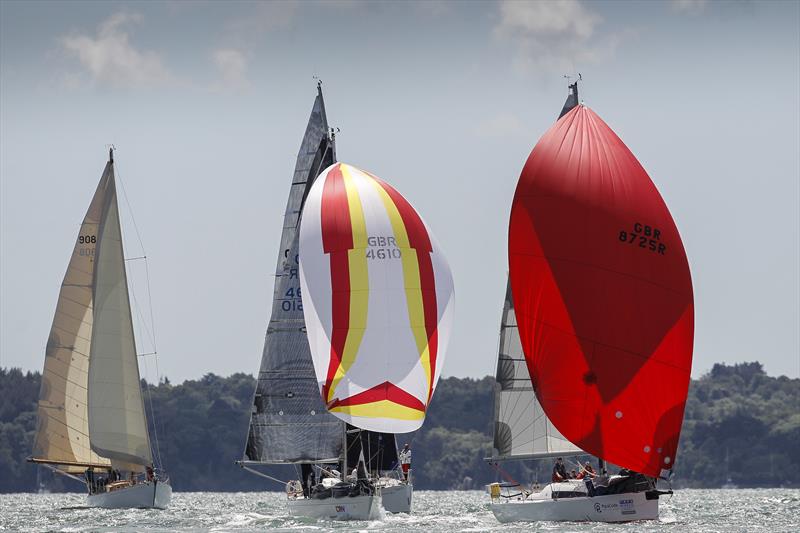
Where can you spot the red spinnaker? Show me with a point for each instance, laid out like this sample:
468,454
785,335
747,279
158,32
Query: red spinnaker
603,295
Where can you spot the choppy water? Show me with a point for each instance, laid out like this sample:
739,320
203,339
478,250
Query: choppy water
773,510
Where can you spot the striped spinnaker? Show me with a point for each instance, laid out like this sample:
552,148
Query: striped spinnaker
378,300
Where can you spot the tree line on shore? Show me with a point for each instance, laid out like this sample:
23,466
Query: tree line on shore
740,425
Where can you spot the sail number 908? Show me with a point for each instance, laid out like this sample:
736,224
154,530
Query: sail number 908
87,239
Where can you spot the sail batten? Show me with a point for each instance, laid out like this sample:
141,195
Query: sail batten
289,422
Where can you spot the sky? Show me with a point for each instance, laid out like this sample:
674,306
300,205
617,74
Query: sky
206,104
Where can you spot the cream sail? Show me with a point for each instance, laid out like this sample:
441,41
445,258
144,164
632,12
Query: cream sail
116,412
62,436
91,413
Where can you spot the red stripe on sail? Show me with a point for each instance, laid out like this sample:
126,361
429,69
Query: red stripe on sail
337,231
337,240
419,239
384,391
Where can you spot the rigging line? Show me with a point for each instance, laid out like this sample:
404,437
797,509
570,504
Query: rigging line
262,474
149,395
130,209
150,305
141,322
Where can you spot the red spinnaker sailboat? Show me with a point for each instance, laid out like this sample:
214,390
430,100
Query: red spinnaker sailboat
603,295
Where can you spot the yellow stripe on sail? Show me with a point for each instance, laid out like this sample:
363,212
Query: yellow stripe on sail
411,279
381,409
359,281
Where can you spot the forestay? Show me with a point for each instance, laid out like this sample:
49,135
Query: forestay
289,422
602,294
62,434
378,301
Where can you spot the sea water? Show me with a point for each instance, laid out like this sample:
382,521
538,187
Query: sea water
769,510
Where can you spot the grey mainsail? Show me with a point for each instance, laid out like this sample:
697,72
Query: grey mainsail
521,428
289,422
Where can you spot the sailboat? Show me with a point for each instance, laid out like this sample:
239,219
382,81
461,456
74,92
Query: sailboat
378,301
729,484
91,417
289,423
596,340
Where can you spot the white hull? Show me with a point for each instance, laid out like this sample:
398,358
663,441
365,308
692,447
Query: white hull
146,495
344,508
609,508
397,498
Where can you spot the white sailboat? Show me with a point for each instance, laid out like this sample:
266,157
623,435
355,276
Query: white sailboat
289,424
573,376
91,417
289,421
378,302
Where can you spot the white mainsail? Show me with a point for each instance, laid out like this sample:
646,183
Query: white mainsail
62,435
117,423
521,428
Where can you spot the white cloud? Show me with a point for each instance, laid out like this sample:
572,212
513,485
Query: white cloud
110,58
553,34
232,66
689,6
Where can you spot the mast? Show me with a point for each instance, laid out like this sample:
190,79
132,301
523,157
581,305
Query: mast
572,100
289,422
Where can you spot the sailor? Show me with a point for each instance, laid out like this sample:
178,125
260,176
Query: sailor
405,460
150,473
588,470
559,470
90,480
573,474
